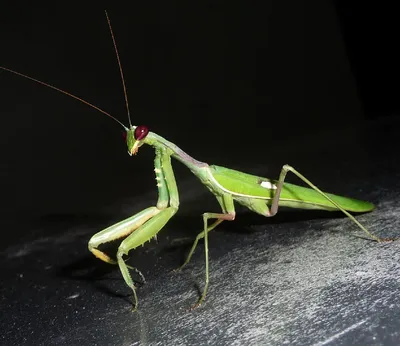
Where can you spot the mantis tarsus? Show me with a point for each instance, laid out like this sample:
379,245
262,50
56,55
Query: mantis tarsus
261,195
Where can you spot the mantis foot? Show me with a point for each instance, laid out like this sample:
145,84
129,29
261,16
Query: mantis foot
179,269
387,240
195,306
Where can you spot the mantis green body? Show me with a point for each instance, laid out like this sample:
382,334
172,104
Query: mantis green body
261,195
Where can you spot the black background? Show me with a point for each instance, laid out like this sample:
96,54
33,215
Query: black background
229,84
250,86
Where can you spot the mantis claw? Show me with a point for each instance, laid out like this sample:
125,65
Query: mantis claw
135,300
139,273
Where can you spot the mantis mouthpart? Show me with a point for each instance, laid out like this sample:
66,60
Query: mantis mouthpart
259,194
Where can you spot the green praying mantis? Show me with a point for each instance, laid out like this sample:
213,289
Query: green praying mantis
261,195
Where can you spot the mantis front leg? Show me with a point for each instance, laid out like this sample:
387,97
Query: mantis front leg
145,225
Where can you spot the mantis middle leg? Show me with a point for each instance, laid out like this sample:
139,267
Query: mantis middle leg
228,209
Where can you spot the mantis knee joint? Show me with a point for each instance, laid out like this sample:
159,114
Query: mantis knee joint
92,244
121,252
288,168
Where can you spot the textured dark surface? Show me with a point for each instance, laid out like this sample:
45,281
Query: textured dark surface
300,278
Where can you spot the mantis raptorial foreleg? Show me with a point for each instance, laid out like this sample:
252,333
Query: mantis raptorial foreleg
119,230
127,226
139,237
143,226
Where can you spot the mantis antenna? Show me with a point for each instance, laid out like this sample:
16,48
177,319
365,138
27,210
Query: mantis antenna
120,70
64,92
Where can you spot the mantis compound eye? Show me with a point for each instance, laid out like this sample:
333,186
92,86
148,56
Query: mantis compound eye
141,132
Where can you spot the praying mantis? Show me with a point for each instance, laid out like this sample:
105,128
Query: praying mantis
259,194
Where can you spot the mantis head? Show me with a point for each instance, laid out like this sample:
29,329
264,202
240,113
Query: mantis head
135,136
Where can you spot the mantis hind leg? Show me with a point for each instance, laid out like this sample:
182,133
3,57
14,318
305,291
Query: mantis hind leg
275,200
260,206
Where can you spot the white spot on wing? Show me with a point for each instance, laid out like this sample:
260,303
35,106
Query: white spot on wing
268,185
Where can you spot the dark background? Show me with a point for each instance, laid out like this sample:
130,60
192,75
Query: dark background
250,86
229,84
